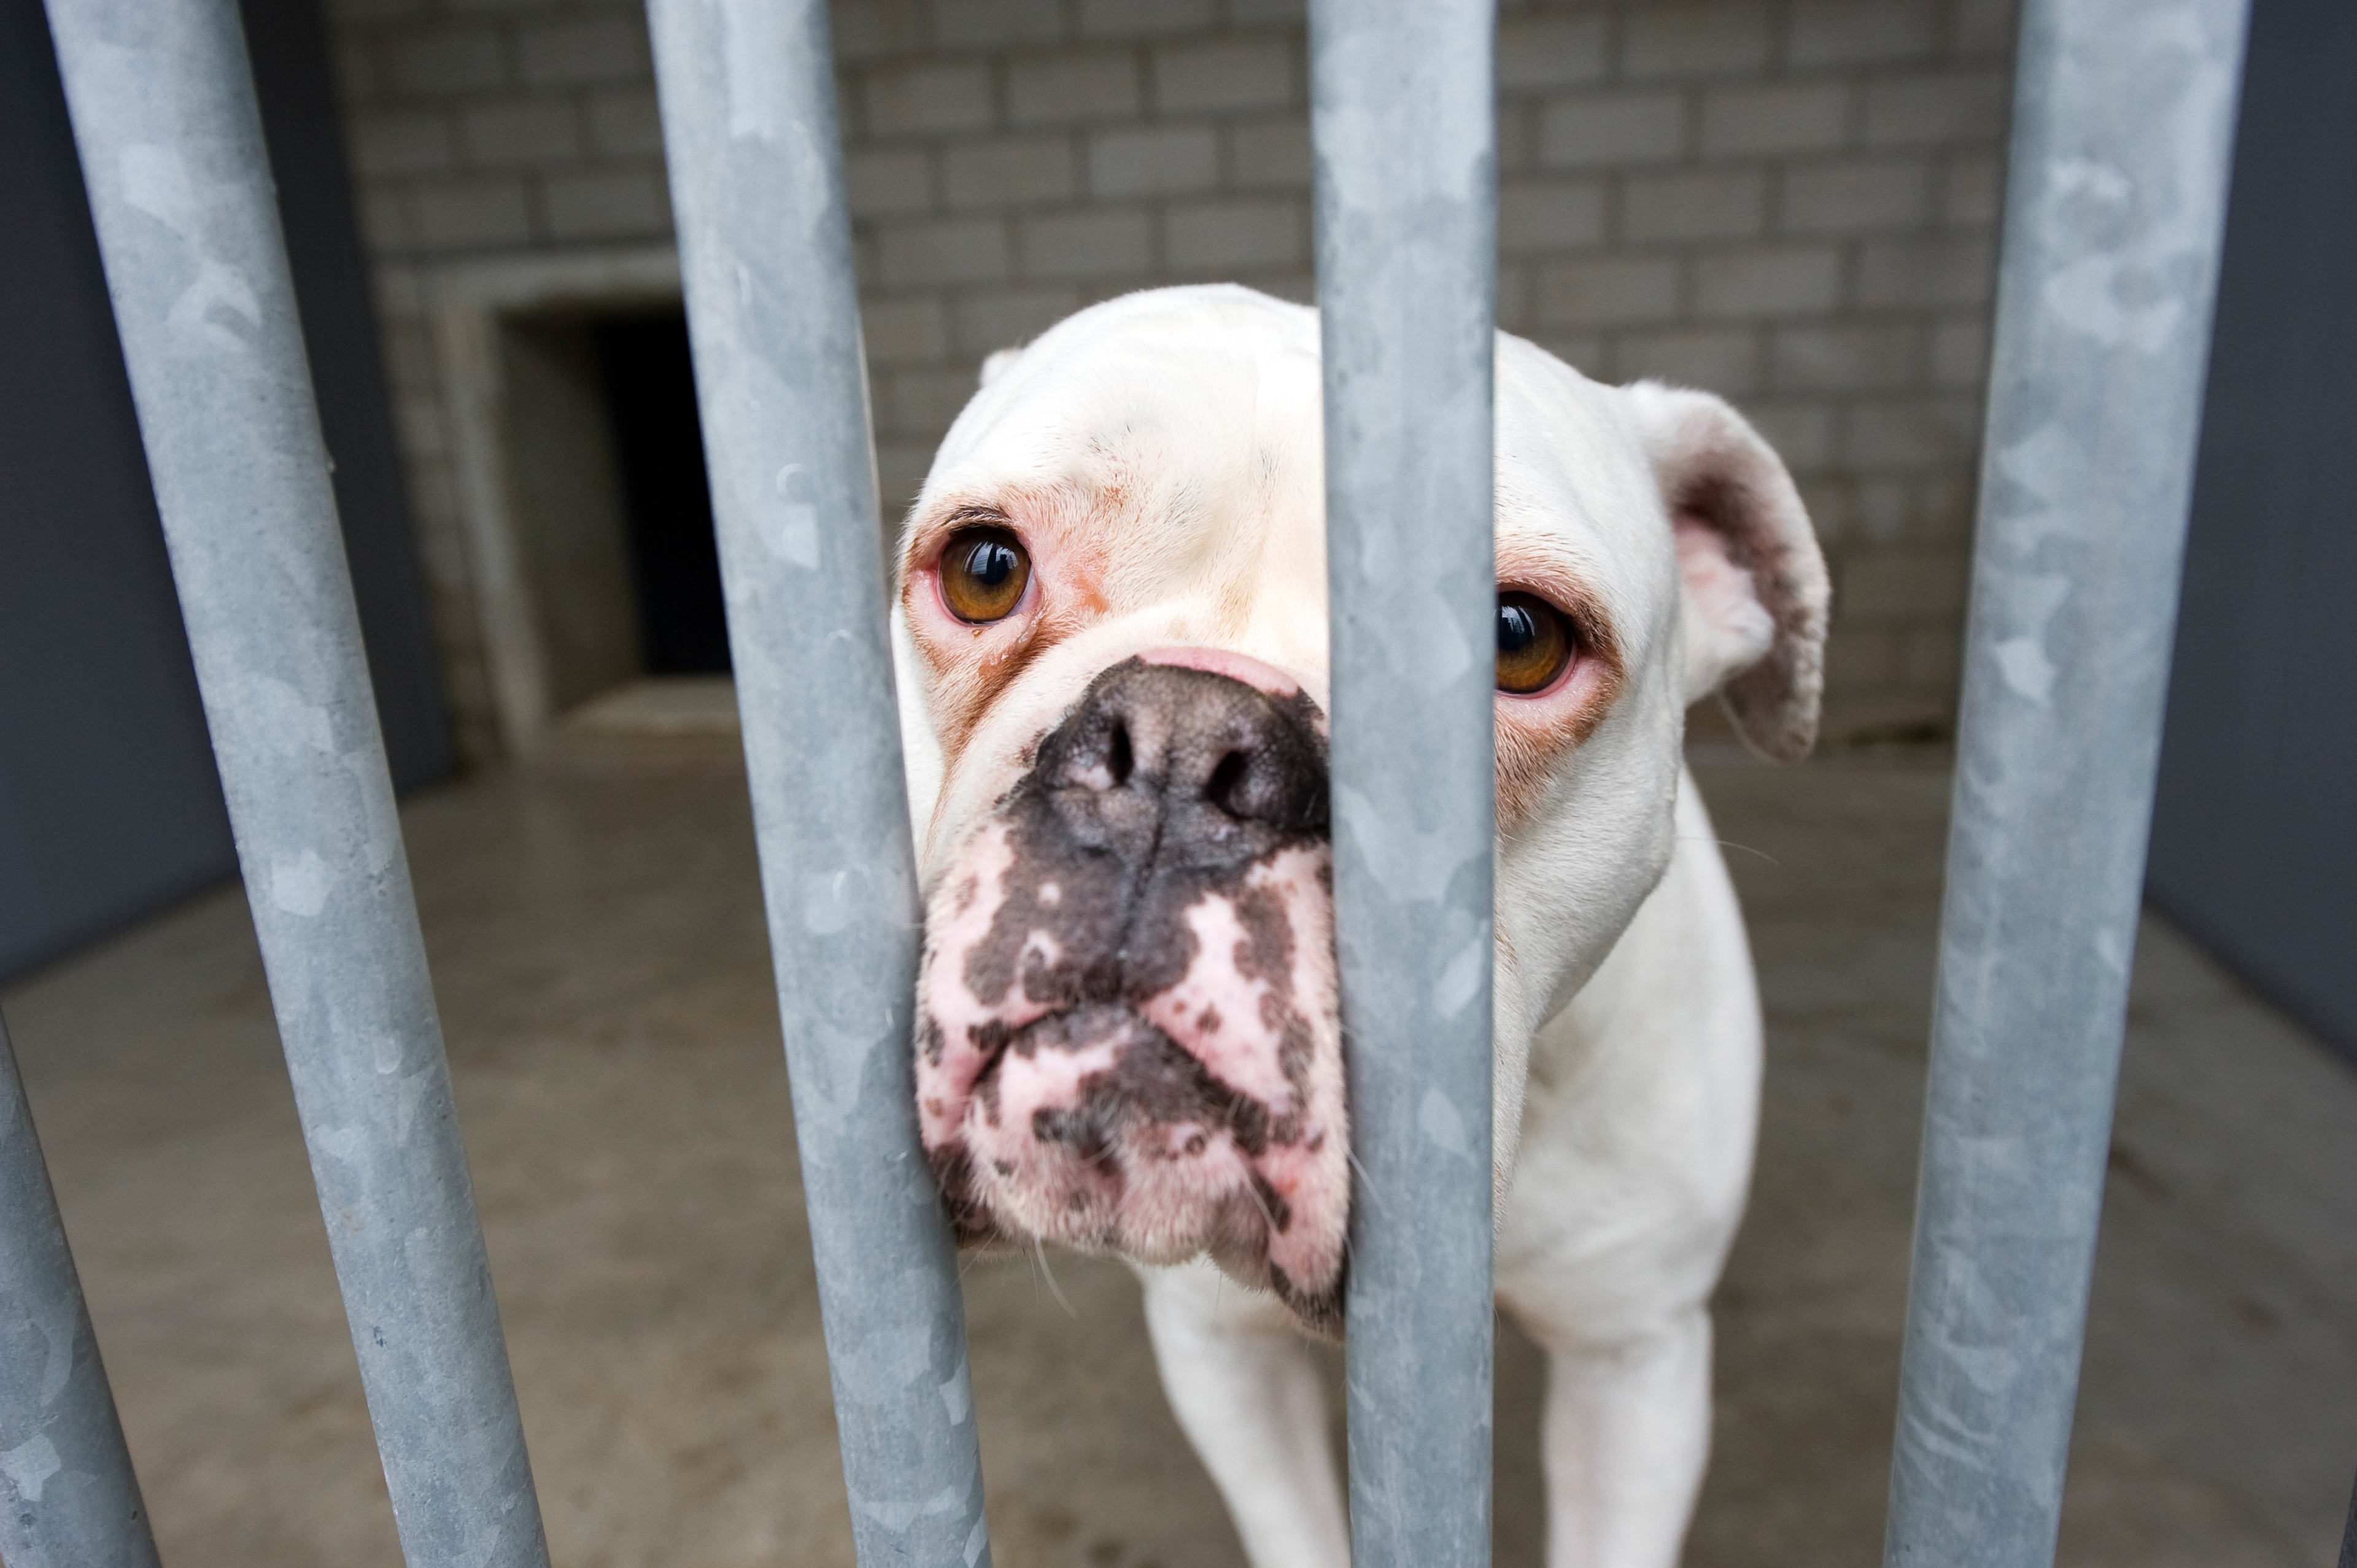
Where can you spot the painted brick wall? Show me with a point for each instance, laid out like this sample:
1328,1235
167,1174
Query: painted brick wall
1791,202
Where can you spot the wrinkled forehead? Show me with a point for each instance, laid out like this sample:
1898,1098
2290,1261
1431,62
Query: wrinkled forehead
1190,408
1186,418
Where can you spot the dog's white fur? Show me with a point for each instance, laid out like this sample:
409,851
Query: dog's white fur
1627,1024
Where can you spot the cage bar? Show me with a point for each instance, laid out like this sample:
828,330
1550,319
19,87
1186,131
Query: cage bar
68,1495
748,95
162,103
1405,133
2123,115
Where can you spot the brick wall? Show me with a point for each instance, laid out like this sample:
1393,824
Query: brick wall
1791,202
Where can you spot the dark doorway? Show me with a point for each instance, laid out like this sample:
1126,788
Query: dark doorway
659,442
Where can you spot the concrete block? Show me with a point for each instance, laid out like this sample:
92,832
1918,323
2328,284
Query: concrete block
900,469
1960,353
1856,197
520,133
1539,52
913,330
923,402
882,182
1962,107
1801,431
1607,291
1985,27
1724,361
995,24
1014,171
1270,155
1132,18
1102,243
987,321
870,29
578,52
1694,40
1258,70
607,204
447,61
623,122
362,68
1760,122
401,142
1885,506
1926,272
1911,431
1583,351
1152,160
913,252
1935,655
1900,584
1609,129
1847,357
1972,193
1862,658
1210,237
927,95
1704,206
463,213
1799,280
1059,89
384,220
1855,32
1540,215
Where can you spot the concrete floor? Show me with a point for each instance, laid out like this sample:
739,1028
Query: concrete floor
604,978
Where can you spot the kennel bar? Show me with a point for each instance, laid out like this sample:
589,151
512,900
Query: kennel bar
747,89
2123,120
1404,130
162,102
68,1493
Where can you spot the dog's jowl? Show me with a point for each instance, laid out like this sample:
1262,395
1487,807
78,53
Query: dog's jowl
1127,990
1112,633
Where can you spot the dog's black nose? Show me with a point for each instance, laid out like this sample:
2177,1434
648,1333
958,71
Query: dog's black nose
1163,763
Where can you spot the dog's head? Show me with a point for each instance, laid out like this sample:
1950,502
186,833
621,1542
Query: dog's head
1113,633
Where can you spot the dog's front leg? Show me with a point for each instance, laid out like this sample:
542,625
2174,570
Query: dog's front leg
1246,1387
1626,1436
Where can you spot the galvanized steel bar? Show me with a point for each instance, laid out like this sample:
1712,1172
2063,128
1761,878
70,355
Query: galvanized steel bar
68,1495
163,108
1401,117
2123,115
748,93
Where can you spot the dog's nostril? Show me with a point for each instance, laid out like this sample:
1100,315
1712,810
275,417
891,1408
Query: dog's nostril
1221,788
1119,759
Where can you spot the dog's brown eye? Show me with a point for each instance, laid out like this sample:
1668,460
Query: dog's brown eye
984,573
1535,641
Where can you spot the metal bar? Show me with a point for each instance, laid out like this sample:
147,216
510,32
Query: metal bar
1402,115
68,1495
2348,1533
2123,115
748,95
163,109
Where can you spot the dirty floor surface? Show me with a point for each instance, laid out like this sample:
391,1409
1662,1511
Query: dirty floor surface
603,978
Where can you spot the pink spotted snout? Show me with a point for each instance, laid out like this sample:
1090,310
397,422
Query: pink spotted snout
1128,1039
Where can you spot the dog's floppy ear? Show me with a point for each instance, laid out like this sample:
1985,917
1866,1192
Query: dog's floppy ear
1751,578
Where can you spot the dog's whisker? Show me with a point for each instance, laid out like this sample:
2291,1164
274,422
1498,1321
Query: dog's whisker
1040,1251
1730,843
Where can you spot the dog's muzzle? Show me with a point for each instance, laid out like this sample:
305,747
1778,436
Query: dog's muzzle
1128,1039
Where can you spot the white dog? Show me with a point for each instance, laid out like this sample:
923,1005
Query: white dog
1113,641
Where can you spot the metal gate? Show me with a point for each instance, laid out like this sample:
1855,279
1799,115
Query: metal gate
2124,112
